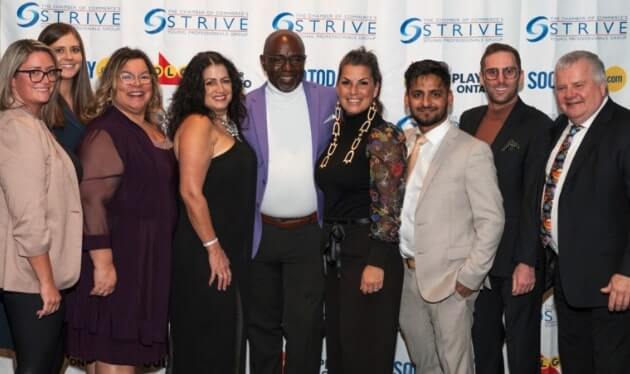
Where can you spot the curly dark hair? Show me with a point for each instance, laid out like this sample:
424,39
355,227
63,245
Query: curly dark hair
189,97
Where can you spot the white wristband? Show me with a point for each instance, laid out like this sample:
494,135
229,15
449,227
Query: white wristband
209,243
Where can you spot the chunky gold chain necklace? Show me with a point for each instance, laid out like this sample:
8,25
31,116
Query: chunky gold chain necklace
332,147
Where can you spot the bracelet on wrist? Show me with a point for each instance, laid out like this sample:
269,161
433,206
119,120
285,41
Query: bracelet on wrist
210,242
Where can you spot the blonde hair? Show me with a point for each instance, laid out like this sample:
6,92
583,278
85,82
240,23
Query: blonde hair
14,56
109,83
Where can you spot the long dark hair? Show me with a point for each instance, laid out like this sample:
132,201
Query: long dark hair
189,97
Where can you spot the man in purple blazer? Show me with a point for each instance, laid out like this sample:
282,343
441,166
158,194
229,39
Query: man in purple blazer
288,125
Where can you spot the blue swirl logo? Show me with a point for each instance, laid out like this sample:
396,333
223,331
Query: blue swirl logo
410,29
403,121
27,15
283,20
537,28
155,21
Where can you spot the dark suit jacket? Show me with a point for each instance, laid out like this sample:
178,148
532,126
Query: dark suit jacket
594,208
520,150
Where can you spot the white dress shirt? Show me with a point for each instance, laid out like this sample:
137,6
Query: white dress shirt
575,144
414,185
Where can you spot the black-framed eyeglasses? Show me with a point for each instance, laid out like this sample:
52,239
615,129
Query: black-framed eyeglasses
280,60
510,72
37,75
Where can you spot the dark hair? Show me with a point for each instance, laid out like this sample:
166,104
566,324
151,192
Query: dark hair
82,95
189,96
500,47
362,57
108,83
426,67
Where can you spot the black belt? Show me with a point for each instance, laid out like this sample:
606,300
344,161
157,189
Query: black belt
332,249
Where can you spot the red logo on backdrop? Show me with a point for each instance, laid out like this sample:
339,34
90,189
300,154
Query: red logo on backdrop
168,73
550,365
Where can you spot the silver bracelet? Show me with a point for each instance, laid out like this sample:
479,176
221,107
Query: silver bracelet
210,242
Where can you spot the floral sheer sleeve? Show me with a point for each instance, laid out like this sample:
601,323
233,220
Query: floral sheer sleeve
387,153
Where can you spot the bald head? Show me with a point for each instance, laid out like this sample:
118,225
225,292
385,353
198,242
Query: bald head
280,37
283,60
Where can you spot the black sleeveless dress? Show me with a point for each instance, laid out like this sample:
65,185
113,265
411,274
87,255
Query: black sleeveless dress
206,324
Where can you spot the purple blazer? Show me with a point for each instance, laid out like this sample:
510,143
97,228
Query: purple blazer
321,105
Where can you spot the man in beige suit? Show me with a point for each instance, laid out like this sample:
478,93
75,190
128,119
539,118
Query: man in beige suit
452,221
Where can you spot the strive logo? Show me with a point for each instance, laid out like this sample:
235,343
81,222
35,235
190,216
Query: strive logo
413,29
31,13
195,21
334,26
576,28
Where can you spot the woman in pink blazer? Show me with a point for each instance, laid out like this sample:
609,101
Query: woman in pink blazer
40,209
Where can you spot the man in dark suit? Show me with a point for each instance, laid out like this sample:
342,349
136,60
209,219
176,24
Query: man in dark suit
519,137
585,214
288,125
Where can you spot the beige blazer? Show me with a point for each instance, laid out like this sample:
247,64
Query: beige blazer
40,207
459,217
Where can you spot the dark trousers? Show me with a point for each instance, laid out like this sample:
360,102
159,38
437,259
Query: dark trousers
287,290
591,340
361,330
38,342
521,331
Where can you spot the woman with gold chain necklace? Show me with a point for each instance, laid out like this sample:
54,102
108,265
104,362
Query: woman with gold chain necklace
362,177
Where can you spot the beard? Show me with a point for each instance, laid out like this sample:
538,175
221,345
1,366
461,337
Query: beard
430,120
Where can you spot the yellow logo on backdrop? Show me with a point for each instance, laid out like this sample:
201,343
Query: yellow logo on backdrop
616,78
100,66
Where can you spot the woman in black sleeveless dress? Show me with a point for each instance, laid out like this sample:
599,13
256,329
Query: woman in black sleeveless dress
214,233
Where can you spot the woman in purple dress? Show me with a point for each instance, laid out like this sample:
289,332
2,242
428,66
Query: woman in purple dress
118,311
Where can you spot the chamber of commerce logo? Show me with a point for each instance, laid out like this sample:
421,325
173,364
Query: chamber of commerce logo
80,16
577,28
195,21
487,29
334,26
550,365
616,77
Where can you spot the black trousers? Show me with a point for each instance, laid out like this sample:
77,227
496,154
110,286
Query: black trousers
38,342
286,299
591,340
362,330
521,331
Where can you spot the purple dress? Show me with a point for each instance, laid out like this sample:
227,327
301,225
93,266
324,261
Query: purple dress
128,193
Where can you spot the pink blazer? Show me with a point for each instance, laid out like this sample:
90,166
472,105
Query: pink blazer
40,207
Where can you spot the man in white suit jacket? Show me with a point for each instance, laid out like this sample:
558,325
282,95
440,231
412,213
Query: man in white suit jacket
452,221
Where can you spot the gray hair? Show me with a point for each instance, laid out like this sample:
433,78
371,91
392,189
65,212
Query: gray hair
597,66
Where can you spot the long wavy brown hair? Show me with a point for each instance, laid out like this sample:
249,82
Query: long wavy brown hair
108,83
82,94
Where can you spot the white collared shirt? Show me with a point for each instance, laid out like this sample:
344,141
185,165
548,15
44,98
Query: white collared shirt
414,185
575,144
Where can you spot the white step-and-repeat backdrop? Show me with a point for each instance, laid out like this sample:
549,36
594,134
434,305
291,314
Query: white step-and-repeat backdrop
399,31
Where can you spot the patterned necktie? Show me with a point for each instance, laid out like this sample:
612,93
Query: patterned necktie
413,156
551,182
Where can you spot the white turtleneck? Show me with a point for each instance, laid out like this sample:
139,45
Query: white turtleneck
290,186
